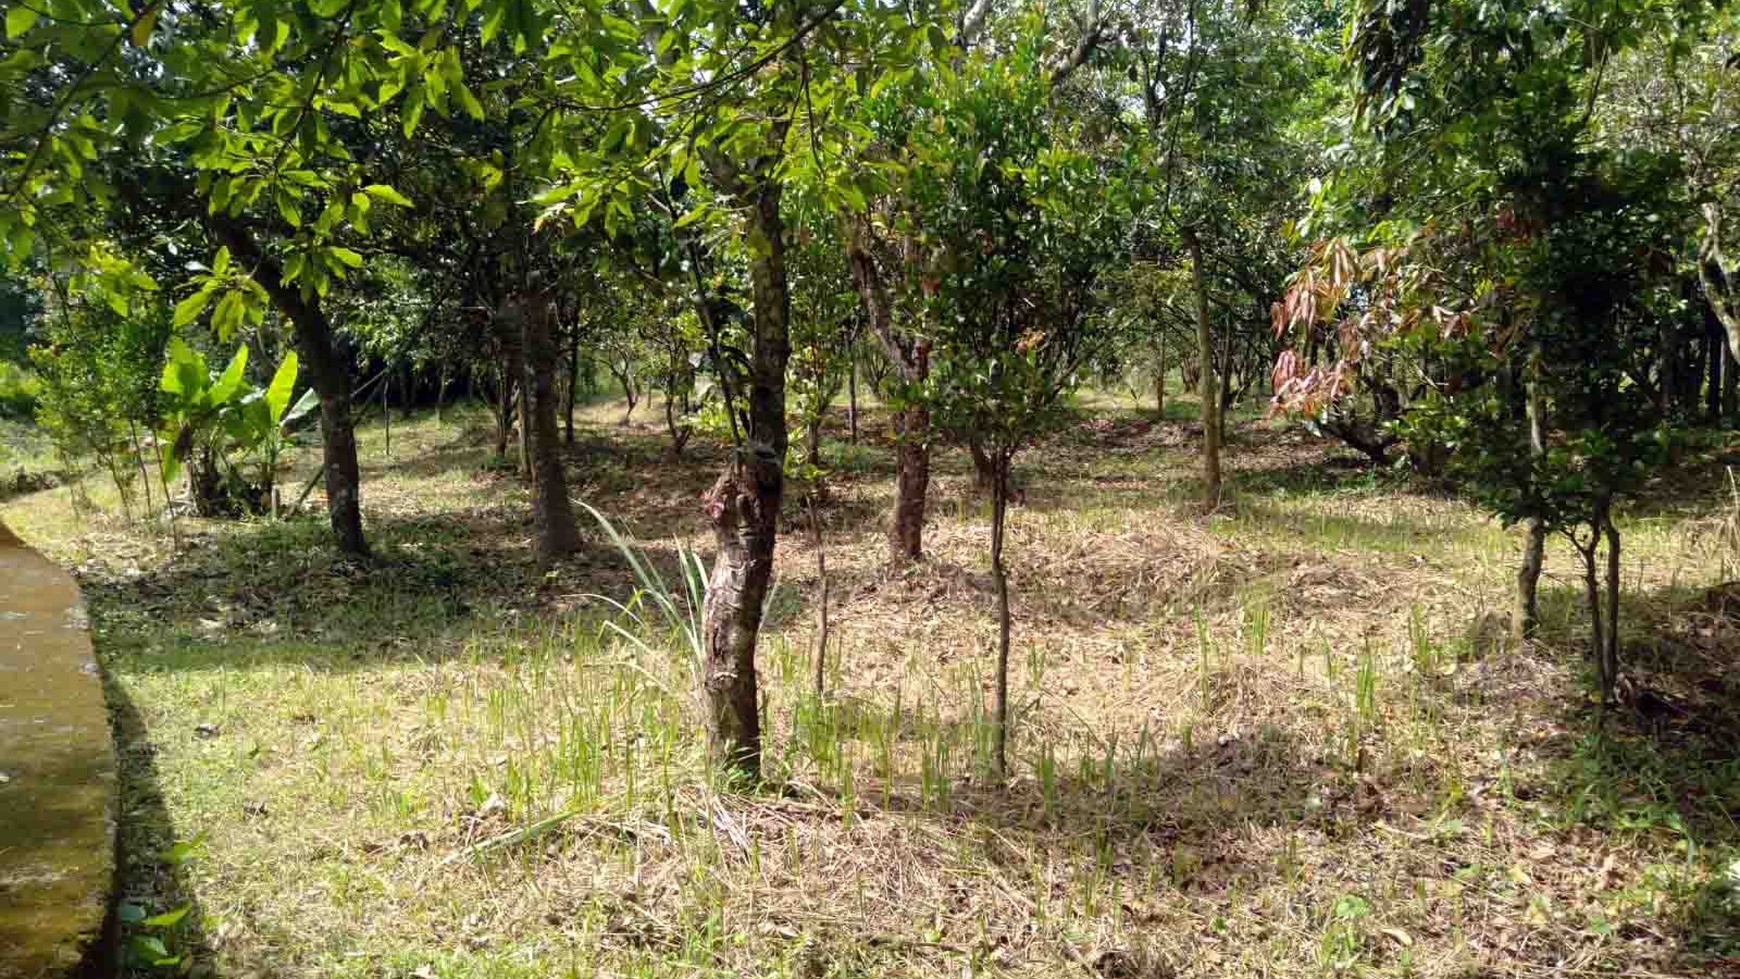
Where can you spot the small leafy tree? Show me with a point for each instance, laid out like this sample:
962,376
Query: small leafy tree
228,435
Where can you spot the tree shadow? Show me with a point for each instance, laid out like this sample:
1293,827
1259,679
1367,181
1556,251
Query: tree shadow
1665,760
156,917
279,593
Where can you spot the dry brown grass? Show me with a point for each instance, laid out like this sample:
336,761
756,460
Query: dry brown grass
1285,739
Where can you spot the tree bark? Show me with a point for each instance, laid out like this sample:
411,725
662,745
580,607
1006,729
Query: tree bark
910,358
911,484
1717,279
552,512
1160,382
1209,389
744,503
1000,580
573,382
852,397
1526,619
1610,651
328,372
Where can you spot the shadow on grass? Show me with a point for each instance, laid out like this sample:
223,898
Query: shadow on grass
1665,761
160,926
279,593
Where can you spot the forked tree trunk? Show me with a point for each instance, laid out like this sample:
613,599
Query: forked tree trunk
552,512
1209,390
1000,580
328,373
744,503
910,358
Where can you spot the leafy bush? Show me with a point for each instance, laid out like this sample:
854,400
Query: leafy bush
227,433
20,390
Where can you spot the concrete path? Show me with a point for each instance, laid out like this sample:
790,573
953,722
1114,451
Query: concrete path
57,772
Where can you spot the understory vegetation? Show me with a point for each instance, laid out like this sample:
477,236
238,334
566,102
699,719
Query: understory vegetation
1292,739
1137,488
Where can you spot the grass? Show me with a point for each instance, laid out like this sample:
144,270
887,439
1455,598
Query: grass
1284,740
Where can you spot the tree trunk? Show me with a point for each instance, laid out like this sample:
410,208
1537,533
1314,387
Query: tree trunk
821,673
328,373
1209,389
573,382
911,483
910,358
852,397
679,432
1160,382
1720,293
552,512
1526,618
1730,387
1000,580
1610,651
744,503
504,411
1713,390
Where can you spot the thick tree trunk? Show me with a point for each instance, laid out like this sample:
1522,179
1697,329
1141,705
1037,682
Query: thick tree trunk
1209,389
1730,387
1526,618
744,503
1000,580
1720,292
328,372
911,484
552,512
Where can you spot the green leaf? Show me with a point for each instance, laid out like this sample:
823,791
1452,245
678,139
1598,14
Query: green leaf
305,404
283,383
348,257
189,309
220,262
382,192
184,370
467,101
168,919
18,20
230,381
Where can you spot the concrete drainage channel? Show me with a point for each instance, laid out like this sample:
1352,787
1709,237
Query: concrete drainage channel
57,778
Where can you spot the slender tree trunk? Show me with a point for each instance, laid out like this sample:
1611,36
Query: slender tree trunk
573,382
1713,389
441,395
1000,579
553,513
852,397
1610,651
1160,382
1209,389
984,467
1526,619
328,372
504,411
744,503
822,576
1730,386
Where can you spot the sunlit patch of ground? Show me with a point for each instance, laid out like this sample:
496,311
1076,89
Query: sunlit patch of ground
1286,739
